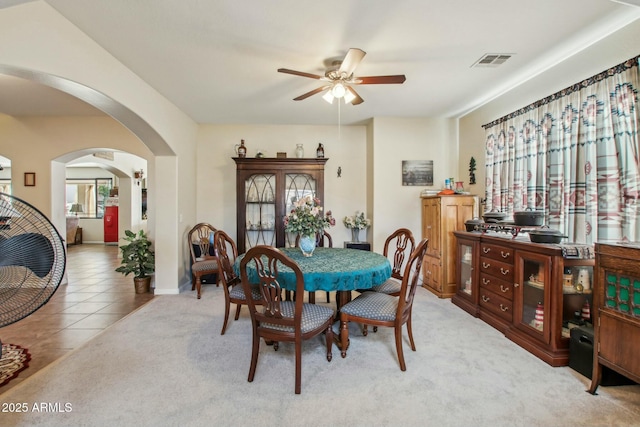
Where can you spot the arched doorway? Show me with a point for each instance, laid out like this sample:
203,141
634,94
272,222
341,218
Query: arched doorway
134,127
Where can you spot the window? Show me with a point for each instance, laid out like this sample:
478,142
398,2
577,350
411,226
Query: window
86,197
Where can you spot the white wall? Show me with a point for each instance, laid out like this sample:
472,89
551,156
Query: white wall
217,170
392,141
369,156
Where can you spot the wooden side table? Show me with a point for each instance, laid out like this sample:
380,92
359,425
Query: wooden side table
363,246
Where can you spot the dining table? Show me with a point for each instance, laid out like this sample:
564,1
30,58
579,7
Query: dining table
330,269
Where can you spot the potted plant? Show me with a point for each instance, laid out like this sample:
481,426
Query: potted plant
139,259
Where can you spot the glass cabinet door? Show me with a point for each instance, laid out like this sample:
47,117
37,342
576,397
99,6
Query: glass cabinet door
577,296
260,210
533,295
297,186
467,278
266,189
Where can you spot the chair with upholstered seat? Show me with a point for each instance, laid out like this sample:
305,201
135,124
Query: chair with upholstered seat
379,309
278,320
322,240
226,251
203,260
402,243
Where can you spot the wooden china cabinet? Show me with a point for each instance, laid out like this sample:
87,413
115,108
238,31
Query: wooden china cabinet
616,311
266,189
441,215
533,293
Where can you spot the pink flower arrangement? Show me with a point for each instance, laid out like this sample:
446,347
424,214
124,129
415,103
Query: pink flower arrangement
306,218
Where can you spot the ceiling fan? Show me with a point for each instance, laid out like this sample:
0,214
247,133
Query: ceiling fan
339,79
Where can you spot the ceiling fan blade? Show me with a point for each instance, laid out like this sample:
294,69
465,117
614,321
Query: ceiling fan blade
299,73
358,99
310,93
351,61
378,80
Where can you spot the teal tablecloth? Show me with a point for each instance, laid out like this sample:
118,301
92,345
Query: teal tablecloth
330,269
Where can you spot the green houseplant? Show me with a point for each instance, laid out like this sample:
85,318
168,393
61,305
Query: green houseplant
139,259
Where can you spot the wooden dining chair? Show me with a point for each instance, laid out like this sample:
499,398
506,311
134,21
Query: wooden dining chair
402,243
226,251
278,320
203,259
322,240
379,309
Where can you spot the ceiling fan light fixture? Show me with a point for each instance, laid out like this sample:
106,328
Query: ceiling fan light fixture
338,90
339,78
328,97
348,97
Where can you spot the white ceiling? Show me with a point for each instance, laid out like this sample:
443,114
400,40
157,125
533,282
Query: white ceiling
217,59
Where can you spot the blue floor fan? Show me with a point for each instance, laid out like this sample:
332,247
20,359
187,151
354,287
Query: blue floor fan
32,259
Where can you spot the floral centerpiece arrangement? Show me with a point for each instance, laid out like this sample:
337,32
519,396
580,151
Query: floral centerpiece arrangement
356,223
306,219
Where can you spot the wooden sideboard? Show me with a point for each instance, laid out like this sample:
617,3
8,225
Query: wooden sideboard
531,292
616,313
441,215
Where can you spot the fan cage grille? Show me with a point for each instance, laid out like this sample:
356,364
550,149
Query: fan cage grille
32,259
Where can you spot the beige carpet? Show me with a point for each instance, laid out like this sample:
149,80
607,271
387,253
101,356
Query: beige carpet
167,365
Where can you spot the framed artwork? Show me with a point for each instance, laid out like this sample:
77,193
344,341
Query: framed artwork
417,172
29,179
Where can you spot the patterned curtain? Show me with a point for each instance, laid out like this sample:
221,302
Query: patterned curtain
574,156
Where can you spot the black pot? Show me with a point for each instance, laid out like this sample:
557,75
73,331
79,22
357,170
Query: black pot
472,224
546,235
494,216
528,218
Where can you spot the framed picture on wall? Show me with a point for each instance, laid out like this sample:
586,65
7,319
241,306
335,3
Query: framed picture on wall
29,179
417,172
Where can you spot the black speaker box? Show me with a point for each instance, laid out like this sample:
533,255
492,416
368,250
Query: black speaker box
581,358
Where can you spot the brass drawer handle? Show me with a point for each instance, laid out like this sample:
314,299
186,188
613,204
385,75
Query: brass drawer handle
485,281
503,271
503,289
503,255
504,307
486,250
486,265
485,299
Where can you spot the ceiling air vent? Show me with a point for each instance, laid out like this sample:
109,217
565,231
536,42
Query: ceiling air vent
492,60
108,155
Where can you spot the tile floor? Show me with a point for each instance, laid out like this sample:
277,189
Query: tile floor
94,298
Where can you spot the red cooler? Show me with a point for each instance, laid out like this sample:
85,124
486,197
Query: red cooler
111,225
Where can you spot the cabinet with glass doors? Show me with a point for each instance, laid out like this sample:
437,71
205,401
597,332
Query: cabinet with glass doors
266,189
534,293
466,296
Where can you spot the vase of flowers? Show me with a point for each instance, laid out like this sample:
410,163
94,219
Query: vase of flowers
356,223
307,219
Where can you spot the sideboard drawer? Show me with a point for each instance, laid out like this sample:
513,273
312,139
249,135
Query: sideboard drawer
496,304
501,253
498,286
496,268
